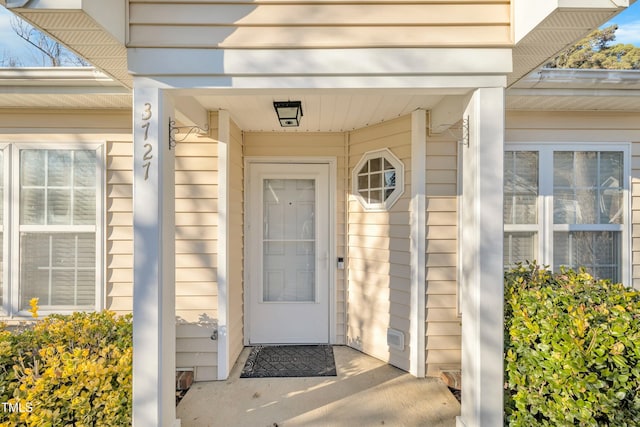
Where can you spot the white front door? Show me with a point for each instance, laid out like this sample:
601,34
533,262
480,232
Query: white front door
288,240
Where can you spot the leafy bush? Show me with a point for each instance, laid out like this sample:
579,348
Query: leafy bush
67,370
572,350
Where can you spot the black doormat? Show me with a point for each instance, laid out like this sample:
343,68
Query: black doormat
290,361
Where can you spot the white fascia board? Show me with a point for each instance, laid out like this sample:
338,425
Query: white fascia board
440,84
59,80
580,79
569,92
319,62
594,4
68,75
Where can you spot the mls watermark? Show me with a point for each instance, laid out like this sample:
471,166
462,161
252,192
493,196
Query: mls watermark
16,407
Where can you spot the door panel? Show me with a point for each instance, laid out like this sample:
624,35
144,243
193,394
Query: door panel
288,289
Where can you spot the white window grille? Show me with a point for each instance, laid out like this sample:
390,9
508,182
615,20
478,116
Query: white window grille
55,249
567,206
378,180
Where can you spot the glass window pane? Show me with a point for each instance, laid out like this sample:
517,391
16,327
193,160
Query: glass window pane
586,168
32,206
375,165
387,193
597,251
289,240
32,169
58,168
84,168
521,187
594,196
363,182
84,207
390,179
375,180
375,196
611,168
563,169
59,207
587,210
611,206
519,247
364,168
58,268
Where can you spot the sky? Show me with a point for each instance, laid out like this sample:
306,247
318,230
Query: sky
628,25
13,46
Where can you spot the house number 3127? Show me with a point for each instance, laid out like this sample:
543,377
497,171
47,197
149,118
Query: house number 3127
148,148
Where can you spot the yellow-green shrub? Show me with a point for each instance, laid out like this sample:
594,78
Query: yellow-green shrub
68,370
572,350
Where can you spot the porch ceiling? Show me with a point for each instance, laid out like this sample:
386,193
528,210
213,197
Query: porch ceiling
324,111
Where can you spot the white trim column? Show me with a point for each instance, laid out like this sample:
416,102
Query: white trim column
417,221
154,335
224,136
481,239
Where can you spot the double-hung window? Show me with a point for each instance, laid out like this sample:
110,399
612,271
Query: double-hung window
53,248
566,206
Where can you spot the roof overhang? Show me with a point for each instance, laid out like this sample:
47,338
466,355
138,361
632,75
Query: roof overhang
542,28
96,29
61,87
576,90
93,29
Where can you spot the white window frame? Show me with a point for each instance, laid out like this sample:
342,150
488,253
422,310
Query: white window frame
386,154
545,227
11,280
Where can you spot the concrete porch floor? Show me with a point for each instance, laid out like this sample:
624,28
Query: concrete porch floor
366,392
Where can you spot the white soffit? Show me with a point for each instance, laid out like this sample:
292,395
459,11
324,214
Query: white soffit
557,31
323,112
80,33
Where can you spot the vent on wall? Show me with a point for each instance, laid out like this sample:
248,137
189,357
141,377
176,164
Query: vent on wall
395,339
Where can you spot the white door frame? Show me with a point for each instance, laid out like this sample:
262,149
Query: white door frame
332,238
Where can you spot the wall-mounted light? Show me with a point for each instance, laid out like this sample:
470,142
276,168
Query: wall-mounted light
289,112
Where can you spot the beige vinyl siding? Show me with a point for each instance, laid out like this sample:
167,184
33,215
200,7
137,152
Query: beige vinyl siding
196,195
326,24
197,253
379,288
236,243
580,127
119,226
325,145
443,329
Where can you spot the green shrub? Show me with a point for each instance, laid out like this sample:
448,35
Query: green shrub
67,370
572,350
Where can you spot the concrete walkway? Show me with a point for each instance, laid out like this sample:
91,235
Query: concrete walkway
366,392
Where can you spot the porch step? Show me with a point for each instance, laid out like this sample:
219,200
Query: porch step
453,379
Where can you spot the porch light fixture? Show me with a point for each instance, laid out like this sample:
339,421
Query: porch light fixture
289,112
